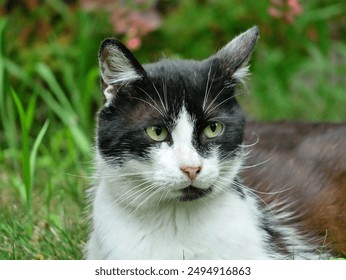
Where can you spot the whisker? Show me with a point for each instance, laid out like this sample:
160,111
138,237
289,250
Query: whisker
142,192
158,94
257,164
76,175
226,184
215,98
128,174
220,188
221,118
145,200
103,175
266,193
164,87
153,106
163,195
139,187
145,191
147,94
252,144
207,90
227,155
227,99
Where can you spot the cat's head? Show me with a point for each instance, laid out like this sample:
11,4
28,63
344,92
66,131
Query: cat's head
171,130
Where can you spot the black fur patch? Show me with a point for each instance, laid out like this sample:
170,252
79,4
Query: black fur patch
238,189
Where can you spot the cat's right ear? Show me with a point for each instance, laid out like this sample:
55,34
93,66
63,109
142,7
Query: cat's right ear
118,67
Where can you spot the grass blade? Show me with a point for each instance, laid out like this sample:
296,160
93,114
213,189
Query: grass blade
62,107
3,23
25,149
47,75
33,154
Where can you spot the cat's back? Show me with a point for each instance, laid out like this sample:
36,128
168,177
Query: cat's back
302,167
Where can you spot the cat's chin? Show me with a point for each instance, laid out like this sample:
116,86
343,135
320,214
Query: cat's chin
191,193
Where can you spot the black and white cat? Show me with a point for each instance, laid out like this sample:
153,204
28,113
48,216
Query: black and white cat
169,149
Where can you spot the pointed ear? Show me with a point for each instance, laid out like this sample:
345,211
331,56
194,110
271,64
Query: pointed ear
118,66
233,57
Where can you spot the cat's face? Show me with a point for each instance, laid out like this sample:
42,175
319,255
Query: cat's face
171,130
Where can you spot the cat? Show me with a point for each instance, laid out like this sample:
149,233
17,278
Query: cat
169,151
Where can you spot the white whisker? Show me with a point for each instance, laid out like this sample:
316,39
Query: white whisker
153,106
252,144
140,188
227,155
257,164
207,90
214,100
158,94
146,200
247,189
164,87
219,104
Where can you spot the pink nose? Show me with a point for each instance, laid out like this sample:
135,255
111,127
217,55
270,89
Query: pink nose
190,171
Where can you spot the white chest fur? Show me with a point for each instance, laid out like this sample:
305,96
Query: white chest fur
225,227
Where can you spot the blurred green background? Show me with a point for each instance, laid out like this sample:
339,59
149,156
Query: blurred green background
49,91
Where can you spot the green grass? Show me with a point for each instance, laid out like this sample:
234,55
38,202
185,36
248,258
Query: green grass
49,95
28,156
39,238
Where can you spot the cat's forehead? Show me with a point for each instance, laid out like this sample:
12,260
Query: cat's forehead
179,82
170,86
171,71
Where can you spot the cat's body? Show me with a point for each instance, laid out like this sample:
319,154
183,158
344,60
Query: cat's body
302,167
168,154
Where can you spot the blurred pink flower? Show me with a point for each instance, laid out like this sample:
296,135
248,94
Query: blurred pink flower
132,19
286,10
274,12
296,9
134,43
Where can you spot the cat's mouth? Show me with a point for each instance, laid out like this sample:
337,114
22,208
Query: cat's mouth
191,193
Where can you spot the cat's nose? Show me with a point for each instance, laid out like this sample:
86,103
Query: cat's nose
191,171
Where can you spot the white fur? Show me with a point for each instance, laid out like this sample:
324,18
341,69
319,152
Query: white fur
213,229
116,68
136,214
108,94
242,73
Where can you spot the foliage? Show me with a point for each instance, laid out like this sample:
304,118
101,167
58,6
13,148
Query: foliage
49,90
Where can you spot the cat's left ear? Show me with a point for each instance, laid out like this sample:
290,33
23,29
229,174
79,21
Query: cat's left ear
118,67
233,57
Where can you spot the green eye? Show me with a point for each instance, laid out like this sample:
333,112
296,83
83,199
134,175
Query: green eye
213,129
157,133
